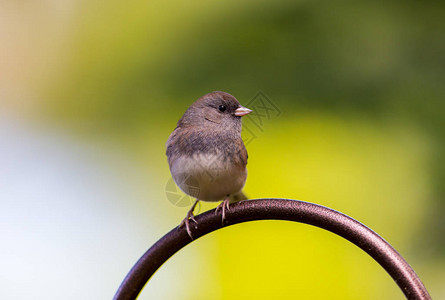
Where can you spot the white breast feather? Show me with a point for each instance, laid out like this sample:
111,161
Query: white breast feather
208,177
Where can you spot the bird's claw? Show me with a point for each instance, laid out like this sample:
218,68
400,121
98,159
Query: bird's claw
186,222
224,206
192,217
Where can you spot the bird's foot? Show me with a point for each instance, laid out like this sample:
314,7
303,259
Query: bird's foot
186,221
224,206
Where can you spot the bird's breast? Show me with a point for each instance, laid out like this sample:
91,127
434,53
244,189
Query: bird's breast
208,176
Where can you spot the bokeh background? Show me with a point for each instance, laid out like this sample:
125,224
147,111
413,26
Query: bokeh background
90,91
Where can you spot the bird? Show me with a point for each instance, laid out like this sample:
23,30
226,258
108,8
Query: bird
206,154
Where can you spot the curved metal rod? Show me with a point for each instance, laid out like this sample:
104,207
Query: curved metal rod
276,209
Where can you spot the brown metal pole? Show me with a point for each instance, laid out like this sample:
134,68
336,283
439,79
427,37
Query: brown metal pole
276,209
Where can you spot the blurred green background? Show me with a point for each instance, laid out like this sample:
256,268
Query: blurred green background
90,91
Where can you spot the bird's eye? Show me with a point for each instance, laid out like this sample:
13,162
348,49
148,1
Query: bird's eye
222,108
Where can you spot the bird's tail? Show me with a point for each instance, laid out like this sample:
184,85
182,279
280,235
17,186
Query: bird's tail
238,197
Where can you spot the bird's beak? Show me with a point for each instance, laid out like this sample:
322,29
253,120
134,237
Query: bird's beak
242,111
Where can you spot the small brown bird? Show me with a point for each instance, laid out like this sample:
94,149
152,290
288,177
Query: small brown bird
206,154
